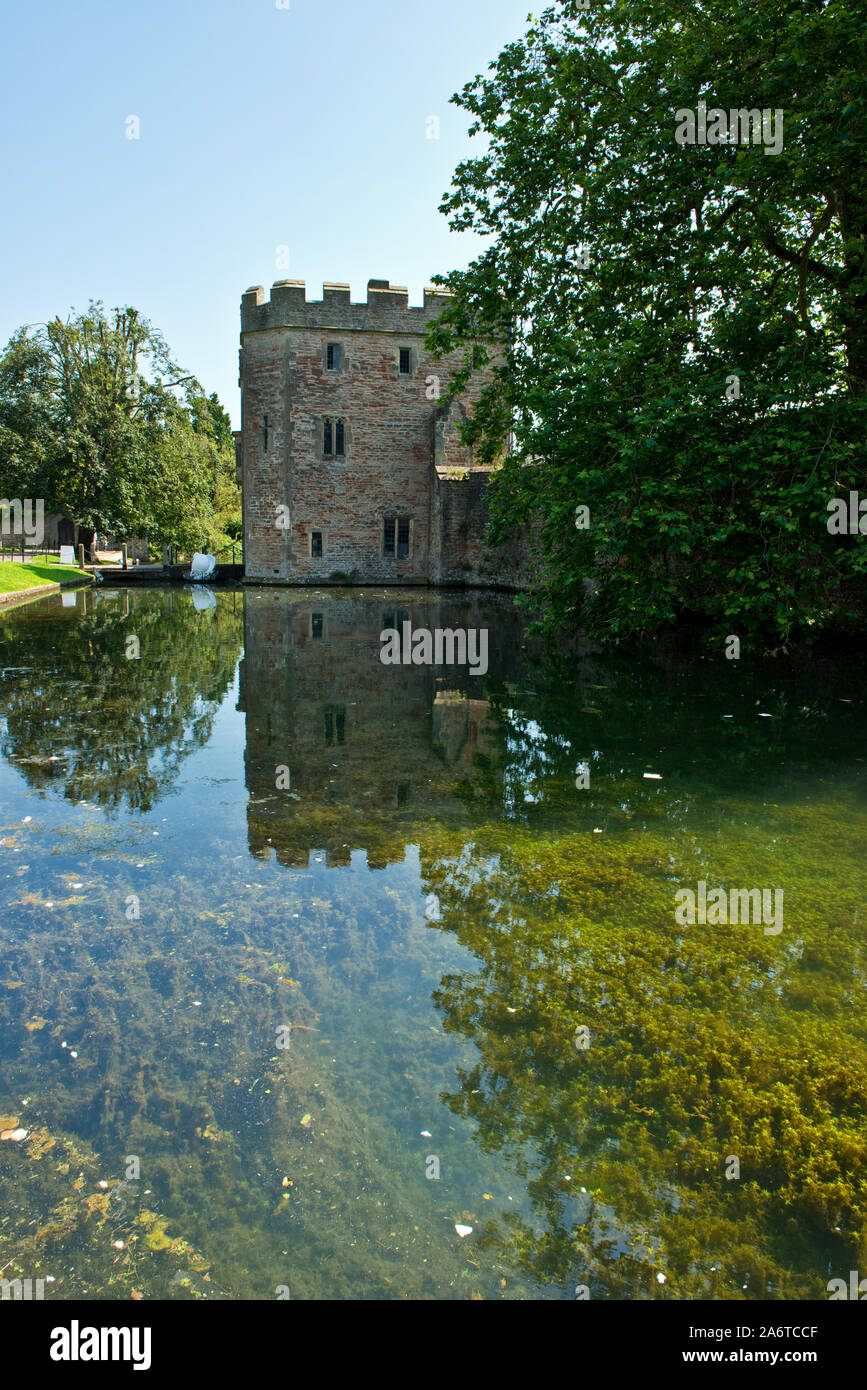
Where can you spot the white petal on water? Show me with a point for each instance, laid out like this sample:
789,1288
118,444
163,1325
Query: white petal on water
463,1230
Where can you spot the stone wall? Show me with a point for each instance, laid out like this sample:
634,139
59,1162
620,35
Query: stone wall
403,454
462,505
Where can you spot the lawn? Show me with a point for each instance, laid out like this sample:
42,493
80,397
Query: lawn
14,575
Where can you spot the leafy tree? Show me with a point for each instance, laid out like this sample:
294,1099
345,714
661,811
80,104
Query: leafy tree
211,419
89,422
681,329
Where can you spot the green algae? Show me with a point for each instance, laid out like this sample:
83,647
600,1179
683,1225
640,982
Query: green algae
704,1042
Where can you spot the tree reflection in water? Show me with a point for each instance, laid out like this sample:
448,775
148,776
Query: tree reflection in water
106,727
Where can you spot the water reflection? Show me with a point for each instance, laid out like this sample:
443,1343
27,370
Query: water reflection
373,752
105,701
440,911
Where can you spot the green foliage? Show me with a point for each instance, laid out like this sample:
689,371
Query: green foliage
704,263
703,1042
89,423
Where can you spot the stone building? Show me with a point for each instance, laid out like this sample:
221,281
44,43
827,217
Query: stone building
351,462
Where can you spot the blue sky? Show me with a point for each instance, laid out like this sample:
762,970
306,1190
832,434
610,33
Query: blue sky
260,128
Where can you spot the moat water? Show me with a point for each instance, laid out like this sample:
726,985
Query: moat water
307,961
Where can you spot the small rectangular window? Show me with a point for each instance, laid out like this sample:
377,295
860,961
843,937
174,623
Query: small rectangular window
265,433
396,537
405,361
339,448
333,357
316,624
316,544
335,715
328,445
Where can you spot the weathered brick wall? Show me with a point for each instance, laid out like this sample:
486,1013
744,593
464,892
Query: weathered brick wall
461,512
398,440
265,386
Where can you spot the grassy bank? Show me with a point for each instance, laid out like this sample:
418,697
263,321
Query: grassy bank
14,575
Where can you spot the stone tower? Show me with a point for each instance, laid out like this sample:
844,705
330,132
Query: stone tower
350,462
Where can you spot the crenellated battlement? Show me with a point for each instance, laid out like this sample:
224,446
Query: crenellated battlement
352,458
387,308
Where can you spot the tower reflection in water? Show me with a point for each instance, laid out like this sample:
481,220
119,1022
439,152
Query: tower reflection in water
373,751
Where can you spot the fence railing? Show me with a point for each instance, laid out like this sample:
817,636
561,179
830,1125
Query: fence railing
25,554
229,555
